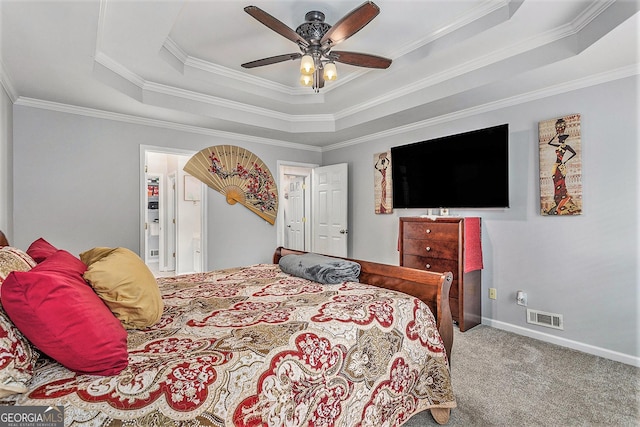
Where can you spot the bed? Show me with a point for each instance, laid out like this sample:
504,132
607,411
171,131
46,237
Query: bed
255,346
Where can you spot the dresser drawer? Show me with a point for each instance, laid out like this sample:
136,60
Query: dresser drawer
430,264
436,245
430,230
447,249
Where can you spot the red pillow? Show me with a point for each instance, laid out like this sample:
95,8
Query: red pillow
63,317
40,250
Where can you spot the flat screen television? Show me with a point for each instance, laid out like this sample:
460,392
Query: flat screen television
467,170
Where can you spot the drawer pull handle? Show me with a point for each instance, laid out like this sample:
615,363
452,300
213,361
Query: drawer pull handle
428,248
428,230
428,266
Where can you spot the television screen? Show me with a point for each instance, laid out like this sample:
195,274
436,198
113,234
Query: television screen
467,170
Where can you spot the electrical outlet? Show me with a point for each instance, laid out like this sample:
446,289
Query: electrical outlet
493,293
521,298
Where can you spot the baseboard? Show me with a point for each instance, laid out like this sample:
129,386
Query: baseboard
575,345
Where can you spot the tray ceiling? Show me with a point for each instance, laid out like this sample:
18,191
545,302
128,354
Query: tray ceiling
178,62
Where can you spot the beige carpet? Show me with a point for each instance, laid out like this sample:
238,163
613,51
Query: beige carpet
504,379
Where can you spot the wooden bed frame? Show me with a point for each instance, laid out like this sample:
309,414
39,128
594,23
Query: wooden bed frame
432,288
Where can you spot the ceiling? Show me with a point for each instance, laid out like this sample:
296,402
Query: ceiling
177,63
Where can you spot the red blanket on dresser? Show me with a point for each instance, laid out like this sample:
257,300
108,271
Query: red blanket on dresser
472,245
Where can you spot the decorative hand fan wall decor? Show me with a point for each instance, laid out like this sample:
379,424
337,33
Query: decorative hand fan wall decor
240,176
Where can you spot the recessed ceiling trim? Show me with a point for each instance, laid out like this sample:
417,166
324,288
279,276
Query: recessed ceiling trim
119,69
126,118
591,13
5,81
187,61
327,121
565,87
462,69
458,24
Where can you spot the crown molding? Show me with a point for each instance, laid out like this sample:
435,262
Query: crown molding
6,83
126,118
564,32
590,13
457,24
594,80
558,89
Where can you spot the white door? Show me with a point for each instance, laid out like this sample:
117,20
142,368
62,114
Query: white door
295,215
329,202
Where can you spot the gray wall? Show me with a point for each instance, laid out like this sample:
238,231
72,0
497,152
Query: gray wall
77,184
583,267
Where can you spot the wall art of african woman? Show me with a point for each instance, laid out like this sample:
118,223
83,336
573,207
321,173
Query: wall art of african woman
382,183
560,166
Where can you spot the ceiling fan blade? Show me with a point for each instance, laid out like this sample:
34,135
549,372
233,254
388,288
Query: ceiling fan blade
360,59
275,25
272,60
351,23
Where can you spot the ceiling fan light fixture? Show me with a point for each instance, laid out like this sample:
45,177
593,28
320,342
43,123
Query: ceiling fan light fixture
307,64
316,39
330,71
306,80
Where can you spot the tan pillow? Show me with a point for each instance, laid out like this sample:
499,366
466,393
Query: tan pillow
125,284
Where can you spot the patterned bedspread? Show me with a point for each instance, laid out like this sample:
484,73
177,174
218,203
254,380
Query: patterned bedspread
254,346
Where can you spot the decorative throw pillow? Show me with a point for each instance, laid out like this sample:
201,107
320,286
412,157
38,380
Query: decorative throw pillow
63,317
17,356
125,284
13,259
40,250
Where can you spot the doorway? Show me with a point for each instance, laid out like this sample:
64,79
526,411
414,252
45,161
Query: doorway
313,208
173,228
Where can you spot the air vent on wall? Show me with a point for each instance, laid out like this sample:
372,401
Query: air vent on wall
550,320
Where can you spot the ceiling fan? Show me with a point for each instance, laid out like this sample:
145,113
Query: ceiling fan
316,39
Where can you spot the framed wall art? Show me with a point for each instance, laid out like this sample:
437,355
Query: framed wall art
560,146
382,189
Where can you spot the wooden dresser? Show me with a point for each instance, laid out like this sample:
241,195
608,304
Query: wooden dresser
439,245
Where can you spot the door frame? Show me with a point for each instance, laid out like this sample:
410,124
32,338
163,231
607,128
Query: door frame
282,166
144,149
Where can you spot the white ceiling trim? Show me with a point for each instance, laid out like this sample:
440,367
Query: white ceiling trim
564,32
217,70
515,100
495,105
462,69
620,73
462,22
126,118
5,81
287,121
119,69
176,53
327,119
210,106
591,13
